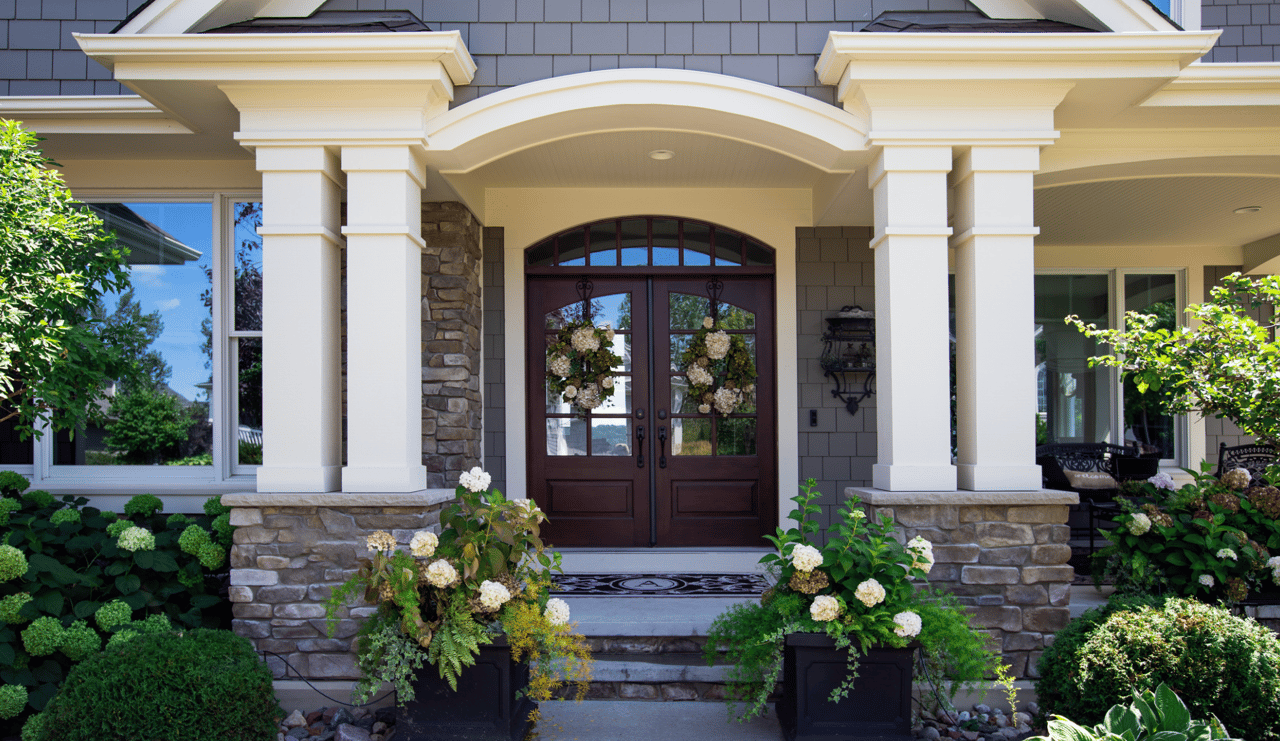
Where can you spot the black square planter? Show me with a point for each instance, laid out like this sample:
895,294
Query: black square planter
484,708
877,709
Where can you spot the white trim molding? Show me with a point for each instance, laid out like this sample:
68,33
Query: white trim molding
89,114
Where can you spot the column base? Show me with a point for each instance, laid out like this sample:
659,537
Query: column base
977,477
299,479
385,479
913,478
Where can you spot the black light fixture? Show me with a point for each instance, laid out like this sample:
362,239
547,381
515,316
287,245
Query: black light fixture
849,354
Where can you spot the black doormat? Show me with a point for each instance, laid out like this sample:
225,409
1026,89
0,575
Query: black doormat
664,585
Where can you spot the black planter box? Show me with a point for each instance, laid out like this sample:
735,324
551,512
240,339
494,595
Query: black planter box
877,709
484,708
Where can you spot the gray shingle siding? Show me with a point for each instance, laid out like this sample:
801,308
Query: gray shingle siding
39,55
1250,30
776,42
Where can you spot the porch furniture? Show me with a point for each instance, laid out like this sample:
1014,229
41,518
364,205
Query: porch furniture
1092,470
1252,458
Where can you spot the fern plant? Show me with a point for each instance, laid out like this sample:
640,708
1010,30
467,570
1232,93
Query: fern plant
444,597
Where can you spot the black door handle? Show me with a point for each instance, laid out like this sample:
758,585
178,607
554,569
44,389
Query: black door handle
640,446
662,447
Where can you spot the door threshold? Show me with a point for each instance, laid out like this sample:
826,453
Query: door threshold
723,560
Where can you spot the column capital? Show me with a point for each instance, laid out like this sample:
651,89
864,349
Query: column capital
299,158
995,157
385,157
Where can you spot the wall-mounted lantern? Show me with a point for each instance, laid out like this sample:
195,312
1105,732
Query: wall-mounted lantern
849,354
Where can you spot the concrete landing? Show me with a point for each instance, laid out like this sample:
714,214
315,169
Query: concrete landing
647,616
612,720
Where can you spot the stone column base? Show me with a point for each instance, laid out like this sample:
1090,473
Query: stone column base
1003,554
291,550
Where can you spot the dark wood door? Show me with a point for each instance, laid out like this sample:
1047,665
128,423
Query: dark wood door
647,468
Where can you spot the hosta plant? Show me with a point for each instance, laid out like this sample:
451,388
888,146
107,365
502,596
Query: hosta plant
1152,716
444,596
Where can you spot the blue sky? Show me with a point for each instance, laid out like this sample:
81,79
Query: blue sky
174,291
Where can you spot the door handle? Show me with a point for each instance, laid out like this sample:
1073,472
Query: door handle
640,446
662,447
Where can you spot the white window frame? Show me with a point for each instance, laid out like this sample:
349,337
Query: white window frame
203,481
1115,286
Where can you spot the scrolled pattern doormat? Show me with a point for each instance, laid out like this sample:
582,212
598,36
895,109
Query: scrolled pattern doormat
666,585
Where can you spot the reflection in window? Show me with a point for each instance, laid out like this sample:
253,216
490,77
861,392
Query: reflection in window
163,418
649,241
1074,400
246,335
1145,422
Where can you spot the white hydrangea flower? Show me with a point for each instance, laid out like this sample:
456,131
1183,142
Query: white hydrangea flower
606,382
908,624
1227,553
1140,524
441,574
860,515
380,540
726,400
493,595
557,612
423,544
708,322
824,609
560,366
529,508
717,345
137,539
1273,563
589,397
1207,580
475,480
805,558
698,376
921,553
1237,479
869,593
584,339
570,391
1162,481
704,409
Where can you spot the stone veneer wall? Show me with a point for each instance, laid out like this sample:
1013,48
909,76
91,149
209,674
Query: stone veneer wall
1004,554
451,399
291,550
495,389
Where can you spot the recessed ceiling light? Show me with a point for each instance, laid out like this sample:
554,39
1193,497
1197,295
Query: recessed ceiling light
661,154
1248,210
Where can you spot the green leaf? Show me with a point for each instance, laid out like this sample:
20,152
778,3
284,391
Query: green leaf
128,584
136,600
145,559
1120,720
1061,729
1174,715
86,608
40,696
163,562
44,563
116,568
48,671
204,601
50,602
7,654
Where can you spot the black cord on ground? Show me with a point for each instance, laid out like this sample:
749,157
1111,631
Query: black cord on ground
285,661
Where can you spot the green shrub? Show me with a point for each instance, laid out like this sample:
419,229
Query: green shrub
166,686
1218,663
77,578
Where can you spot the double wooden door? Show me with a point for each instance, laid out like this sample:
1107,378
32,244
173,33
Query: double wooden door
646,468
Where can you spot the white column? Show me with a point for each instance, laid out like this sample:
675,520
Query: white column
301,351
995,310
384,319
913,408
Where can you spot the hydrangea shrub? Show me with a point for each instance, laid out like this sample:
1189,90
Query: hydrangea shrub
74,579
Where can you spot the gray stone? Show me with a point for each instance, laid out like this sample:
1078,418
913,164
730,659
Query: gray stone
349,732
294,720
989,575
1014,556
679,691
1027,594
298,733
631,691
1003,534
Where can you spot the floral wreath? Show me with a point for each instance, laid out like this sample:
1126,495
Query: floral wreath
712,354
580,364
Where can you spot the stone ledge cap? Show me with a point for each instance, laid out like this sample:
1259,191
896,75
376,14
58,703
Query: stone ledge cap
420,498
962,498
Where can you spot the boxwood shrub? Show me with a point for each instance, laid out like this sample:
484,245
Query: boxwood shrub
198,683
1218,664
